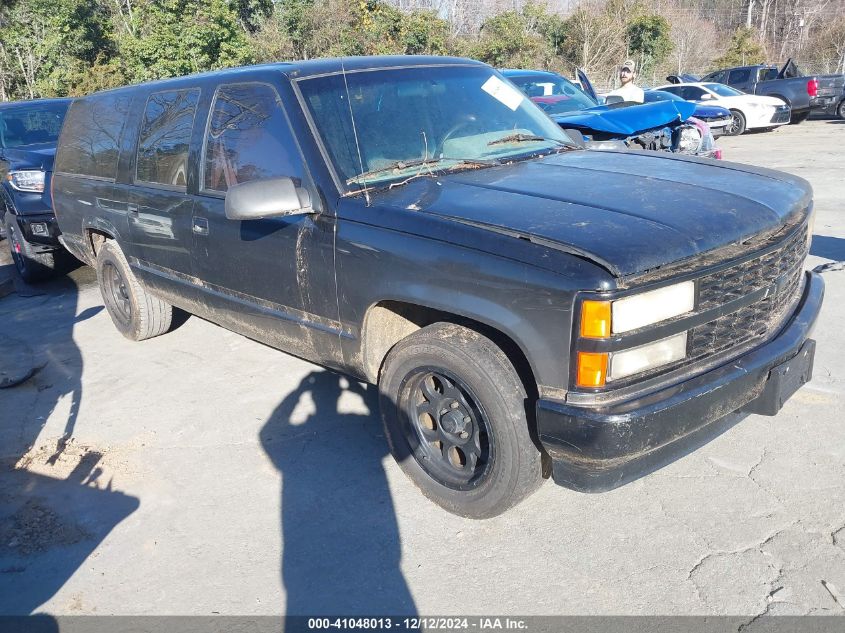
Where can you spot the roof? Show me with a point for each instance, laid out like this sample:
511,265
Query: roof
508,72
26,102
315,67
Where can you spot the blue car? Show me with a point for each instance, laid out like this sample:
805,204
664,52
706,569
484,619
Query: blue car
662,126
716,117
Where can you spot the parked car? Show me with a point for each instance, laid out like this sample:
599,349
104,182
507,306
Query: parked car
716,117
28,134
525,307
658,126
748,112
803,94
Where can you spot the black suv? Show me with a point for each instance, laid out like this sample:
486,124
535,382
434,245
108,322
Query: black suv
527,308
28,134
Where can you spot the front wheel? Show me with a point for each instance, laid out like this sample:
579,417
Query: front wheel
840,109
455,416
136,313
737,124
32,265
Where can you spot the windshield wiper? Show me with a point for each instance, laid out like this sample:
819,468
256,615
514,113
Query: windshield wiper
519,137
416,162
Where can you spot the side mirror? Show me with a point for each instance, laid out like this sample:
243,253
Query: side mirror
611,99
706,96
272,198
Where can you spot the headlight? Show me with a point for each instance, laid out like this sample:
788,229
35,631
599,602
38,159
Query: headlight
690,140
601,319
27,180
633,361
652,307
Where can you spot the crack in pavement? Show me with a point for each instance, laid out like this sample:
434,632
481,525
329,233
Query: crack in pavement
834,593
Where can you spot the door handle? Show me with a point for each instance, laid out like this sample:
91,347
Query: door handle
132,208
200,226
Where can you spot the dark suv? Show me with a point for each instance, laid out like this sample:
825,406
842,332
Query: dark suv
28,134
527,308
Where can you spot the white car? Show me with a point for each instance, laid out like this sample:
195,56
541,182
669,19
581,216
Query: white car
749,111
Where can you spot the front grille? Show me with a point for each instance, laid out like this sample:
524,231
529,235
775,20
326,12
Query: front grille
784,265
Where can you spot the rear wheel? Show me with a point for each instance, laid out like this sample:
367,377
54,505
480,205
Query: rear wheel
454,411
800,117
136,314
31,264
737,124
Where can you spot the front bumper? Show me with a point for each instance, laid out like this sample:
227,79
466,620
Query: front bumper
42,230
597,449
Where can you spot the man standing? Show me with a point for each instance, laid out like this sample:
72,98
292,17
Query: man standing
628,90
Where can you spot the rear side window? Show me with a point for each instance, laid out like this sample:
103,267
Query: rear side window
165,136
248,138
90,140
739,76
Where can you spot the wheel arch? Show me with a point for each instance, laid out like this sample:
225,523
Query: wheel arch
389,321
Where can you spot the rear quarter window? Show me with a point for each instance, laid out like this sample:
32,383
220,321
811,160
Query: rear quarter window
89,144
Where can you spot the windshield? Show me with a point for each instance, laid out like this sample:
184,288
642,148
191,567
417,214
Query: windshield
722,90
411,121
660,95
31,124
553,94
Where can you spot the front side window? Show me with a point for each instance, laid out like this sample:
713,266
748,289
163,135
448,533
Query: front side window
393,124
89,144
248,138
691,93
165,136
31,125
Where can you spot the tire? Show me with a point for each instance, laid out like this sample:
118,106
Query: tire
796,119
31,265
840,110
472,454
136,314
737,124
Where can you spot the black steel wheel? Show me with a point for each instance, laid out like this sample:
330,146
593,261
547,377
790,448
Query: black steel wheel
455,414
446,429
116,294
136,313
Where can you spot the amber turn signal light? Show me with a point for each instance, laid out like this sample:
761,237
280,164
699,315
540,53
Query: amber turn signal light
592,369
595,319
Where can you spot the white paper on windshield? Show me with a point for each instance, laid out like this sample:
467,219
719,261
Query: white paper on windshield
503,93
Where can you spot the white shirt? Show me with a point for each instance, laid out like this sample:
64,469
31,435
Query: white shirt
629,92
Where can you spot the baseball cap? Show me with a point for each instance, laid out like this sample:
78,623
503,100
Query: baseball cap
629,64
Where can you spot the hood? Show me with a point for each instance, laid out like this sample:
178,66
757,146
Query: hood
628,211
740,100
38,156
629,120
710,112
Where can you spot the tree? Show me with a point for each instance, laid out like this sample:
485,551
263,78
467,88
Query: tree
649,40
744,49
178,37
595,39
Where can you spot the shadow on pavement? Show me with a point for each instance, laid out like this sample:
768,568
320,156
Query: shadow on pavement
828,247
48,525
341,545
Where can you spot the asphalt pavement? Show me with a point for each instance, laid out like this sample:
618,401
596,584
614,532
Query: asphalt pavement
203,473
